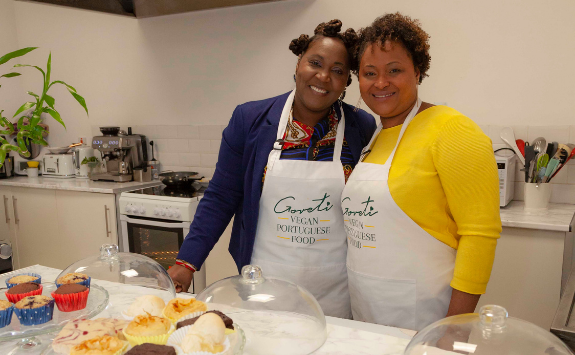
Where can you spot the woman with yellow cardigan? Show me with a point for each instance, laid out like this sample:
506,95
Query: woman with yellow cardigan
421,209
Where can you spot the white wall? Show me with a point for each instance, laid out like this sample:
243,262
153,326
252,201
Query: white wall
11,92
499,62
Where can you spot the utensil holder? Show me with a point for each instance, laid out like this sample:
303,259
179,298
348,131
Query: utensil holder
537,196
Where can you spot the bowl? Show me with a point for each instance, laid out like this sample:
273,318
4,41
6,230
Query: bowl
58,150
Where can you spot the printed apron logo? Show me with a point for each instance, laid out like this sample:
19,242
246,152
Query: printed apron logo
303,229
358,233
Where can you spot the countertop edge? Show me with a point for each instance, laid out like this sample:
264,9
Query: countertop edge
53,185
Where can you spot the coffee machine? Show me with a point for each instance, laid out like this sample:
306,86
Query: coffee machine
121,152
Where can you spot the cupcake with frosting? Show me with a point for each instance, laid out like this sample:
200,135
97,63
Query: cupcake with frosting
206,336
22,278
71,297
74,278
148,304
33,310
182,308
19,291
102,345
148,329
6,310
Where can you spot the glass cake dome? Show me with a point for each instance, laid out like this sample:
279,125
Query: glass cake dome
277,316
138,274
491,332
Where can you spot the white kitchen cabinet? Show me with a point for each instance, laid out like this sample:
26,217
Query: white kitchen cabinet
56,228
532,262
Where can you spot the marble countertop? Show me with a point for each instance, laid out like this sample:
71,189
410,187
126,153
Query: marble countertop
558,217
83,185
344,336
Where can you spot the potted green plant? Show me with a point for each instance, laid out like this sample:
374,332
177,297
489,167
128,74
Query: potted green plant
32,130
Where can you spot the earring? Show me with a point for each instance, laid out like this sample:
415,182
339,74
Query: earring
357,106
294,78
341,97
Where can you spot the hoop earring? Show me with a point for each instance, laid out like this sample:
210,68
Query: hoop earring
357,105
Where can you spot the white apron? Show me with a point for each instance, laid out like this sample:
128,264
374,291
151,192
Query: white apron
398,273
300,235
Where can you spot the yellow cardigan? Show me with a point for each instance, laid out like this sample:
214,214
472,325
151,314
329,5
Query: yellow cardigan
444,177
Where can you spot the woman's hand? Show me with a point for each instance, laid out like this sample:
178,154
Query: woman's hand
182,277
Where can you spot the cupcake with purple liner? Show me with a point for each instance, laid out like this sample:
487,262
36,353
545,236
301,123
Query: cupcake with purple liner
6,309
22,278
74,278
34,310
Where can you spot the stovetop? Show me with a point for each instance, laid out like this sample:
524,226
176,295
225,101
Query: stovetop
166,191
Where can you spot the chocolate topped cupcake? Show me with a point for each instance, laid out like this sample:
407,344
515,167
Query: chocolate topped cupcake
151,349
227,320
71,297
19,291
23,288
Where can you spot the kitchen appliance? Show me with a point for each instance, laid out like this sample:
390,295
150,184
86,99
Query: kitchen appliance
121,153
58,165
80,153
506,168
179,179
5,255
7,170
154,222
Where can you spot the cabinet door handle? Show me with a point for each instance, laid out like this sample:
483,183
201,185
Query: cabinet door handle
16,220
6,209
108,231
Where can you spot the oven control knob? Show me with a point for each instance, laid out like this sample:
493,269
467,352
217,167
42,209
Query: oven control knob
142,209
177,213
128,208
169,212
156,211
162,212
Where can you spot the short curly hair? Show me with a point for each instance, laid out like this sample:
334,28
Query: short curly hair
401,29
328,29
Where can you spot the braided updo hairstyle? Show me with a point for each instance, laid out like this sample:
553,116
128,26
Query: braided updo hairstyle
328,29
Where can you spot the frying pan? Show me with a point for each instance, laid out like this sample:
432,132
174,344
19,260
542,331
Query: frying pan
179,179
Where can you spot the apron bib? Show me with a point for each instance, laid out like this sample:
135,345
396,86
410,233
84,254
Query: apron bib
398,274
300,235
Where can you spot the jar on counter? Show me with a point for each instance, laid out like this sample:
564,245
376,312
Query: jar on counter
155,167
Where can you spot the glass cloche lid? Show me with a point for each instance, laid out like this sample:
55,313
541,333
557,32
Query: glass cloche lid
137,274
490,332
277,316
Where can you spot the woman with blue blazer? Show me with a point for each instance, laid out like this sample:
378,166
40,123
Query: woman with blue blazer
282,166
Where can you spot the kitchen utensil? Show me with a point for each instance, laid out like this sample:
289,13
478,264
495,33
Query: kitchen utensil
179,179
539,144
58,150
521,145
551,167
110,131
542,161
508,137
551,149
562,165
563,149
529,156
541,174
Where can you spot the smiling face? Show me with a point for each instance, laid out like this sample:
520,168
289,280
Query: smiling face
388,80
321,75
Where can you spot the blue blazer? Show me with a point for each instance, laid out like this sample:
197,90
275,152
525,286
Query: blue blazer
236,186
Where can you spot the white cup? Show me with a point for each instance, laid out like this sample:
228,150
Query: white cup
537,196
32,172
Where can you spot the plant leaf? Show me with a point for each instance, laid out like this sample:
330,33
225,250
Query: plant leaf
33,66
63,83
32,94
49,100
10,75
48,68
25,107
55,114
80,100
16,54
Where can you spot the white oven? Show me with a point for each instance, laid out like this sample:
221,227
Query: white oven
155,224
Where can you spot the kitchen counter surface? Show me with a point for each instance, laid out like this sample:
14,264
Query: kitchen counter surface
84,185
344,336
558,217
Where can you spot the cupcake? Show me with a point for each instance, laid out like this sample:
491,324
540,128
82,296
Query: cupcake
155,349
6,309
228,322
182,307
207,334
19,291
74,278
22,278
71,297
104,345
34,310
143,305
148,329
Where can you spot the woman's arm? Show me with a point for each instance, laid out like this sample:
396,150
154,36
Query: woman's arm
464,160
220,202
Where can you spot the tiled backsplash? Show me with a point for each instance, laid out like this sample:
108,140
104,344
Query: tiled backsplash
195,148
